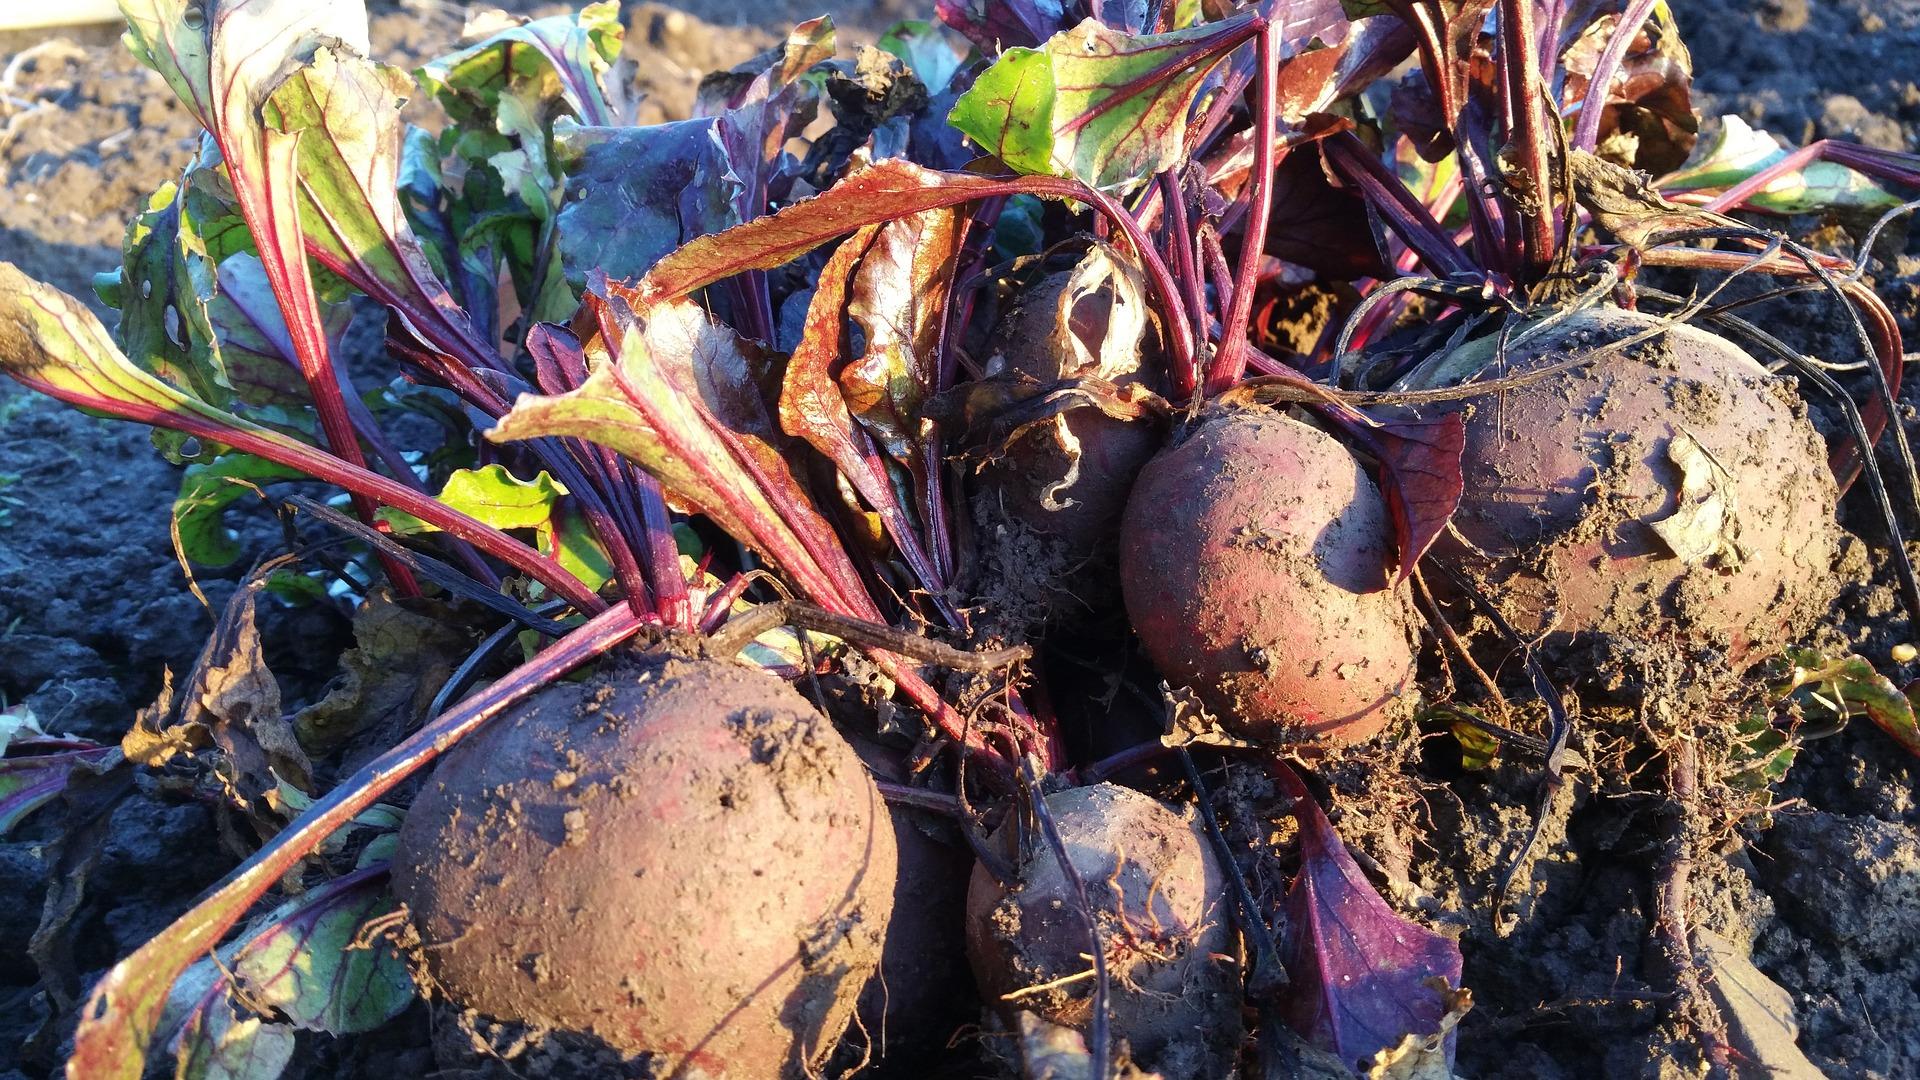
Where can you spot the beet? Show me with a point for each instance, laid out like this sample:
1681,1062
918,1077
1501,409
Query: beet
1254,559
922,993
684,860
1576,511
1068,479
1160,899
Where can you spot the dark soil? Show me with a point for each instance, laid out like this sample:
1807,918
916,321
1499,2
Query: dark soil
1825,888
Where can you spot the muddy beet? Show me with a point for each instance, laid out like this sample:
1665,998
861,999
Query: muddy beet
681,859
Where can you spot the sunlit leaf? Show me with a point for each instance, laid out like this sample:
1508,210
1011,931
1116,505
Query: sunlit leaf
567,53
1105,107
1736,151
1839,688
651,409
345,110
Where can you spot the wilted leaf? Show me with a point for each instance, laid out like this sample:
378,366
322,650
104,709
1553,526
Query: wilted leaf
899,301
399,660
1705,526
1735,152
1363,977
815,406
888,190
1647,122
237,699
1107,108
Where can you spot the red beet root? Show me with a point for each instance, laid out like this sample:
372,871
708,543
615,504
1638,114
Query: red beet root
1254,558
1159,898
1674,488
685,861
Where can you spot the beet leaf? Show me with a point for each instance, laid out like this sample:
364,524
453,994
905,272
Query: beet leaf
1361,974
1107,108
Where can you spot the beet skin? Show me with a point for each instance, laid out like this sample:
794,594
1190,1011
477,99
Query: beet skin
1254,557
683,860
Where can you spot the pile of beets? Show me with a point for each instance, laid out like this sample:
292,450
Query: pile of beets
993,582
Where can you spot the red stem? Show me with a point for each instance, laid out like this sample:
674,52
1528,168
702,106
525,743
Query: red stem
1527,98
1229,360
361,481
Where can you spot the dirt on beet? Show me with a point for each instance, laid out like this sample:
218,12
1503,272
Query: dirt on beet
1824,883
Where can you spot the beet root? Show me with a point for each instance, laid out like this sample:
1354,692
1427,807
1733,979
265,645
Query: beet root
1254,559
1068,478
684,861
1672,489
1159,898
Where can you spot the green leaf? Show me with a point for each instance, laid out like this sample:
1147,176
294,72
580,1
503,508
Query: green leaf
1009,111
308,968
345,112
216,1044
1737,151
1843,687
206,490
1765,753
166,285
563,56
1107,108
305,966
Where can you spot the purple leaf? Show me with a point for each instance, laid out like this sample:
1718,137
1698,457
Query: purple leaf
1419,476
638,177
1002,24
1361,973
30,782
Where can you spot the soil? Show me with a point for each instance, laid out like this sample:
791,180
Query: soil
1824,886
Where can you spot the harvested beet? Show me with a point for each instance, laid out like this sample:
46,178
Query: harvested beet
683,860
1672,488
1159,897
1254,559
922,993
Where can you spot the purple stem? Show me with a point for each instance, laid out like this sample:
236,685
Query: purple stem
1403,213
1586,132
